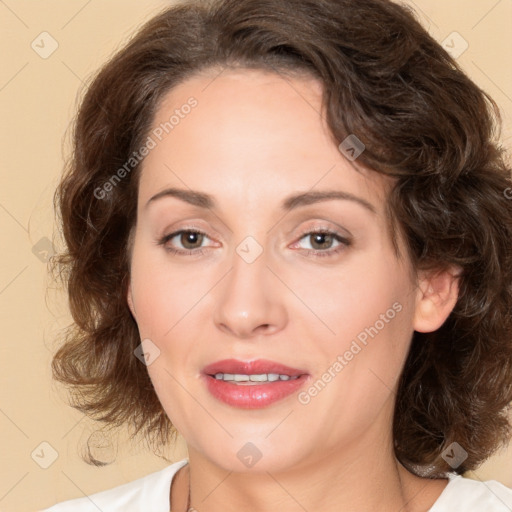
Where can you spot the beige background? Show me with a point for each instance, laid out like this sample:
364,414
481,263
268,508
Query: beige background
37,101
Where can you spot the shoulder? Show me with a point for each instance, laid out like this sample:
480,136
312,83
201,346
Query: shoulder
149,491
468,495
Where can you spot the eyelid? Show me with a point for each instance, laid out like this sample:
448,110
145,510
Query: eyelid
327,225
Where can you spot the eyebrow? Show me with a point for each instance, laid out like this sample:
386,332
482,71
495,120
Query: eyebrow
206,201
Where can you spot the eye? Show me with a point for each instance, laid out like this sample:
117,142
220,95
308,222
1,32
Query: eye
190,240
321,241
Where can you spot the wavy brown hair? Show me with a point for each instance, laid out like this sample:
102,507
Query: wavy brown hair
422,120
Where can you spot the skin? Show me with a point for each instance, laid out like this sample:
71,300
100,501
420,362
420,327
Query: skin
254,139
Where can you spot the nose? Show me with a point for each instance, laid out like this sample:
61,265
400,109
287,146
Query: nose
250,301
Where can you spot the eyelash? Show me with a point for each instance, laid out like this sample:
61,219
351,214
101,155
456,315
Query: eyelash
344,242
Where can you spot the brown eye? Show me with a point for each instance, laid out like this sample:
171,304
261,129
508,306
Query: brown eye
191,239
184,242
321,240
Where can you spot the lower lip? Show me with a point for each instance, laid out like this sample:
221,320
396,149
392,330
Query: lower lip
253,396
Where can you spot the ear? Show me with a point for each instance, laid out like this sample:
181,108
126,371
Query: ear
129,299
436,297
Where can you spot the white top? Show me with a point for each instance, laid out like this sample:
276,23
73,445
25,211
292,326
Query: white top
151,493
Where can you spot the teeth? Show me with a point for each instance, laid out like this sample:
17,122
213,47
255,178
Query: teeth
262,377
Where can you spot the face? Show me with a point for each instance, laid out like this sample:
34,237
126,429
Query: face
249,275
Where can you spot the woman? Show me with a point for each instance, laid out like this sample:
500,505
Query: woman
288,239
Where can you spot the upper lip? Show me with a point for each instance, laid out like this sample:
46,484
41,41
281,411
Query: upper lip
256,367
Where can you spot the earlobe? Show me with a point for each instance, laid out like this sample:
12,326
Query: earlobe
437,295
129,299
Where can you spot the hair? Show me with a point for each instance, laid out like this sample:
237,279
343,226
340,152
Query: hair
422,121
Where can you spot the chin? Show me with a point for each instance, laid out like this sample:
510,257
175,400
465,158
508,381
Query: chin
257,456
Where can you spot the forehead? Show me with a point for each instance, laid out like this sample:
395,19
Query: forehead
253,137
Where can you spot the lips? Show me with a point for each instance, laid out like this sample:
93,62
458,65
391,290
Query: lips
258,366
252,395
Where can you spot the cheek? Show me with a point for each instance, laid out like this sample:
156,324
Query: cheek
164,293
353,299
377,316
369,311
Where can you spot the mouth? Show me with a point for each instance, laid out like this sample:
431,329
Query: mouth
252,384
